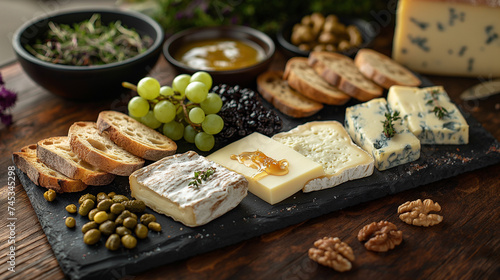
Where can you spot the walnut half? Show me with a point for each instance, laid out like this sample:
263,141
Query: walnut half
381,236
332,252
417,213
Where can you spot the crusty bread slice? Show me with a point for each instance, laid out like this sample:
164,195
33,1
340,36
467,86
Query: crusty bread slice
276,91
56,153
339,71
42,175
383,70
134,136
328,143
100,151
303,79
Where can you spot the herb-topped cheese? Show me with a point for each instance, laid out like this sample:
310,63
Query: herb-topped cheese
365,124
430,114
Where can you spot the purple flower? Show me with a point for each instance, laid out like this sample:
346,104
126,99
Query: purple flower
6,118
7,98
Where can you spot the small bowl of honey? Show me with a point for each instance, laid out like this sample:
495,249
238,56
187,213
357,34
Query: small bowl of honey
230,54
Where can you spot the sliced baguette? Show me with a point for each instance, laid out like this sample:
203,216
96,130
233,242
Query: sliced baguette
284,98
328,143
383,70
341,72
303,79
42,175
134,136
56,153
100,151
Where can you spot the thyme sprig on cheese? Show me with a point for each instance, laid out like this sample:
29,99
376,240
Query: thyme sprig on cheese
438,110
200,176
389,130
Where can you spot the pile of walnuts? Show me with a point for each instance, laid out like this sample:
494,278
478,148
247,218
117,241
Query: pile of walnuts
378,237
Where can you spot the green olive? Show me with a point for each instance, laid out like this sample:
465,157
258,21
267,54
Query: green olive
70,222
129,241
88,226
92,214
104,204
101,196
154,226
100,217
117,208
147,218
92,237
113,243
86,206
119,198
111,194
71,208
130,222
107,228
111,216
141,231
136,206
86,196
49,195
121,231
122,216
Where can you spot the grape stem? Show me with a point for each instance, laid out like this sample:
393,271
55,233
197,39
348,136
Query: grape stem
195,126
129,86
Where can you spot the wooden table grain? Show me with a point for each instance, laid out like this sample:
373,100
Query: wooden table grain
466,245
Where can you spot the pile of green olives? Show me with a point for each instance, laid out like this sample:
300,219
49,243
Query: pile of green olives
115,217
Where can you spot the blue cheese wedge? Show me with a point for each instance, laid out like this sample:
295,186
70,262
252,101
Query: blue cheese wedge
417,107
364,123
165,187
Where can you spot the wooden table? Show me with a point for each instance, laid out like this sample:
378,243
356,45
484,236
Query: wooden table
465,245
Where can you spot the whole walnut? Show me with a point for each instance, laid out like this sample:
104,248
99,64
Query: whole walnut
381,236
332,252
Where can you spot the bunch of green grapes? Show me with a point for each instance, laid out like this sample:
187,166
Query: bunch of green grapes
184,110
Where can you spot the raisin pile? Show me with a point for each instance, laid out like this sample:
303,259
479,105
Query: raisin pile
244,113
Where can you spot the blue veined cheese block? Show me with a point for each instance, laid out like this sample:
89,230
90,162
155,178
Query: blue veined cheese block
364,123
417,107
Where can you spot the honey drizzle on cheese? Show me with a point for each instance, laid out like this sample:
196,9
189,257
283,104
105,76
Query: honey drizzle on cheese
265,165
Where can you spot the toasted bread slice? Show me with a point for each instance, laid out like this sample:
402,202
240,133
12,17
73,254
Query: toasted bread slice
134,136
42,175
340,71
303,79
290,102
328,143
383,70
56,153
100,151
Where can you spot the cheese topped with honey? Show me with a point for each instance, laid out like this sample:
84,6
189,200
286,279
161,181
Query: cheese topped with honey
274,186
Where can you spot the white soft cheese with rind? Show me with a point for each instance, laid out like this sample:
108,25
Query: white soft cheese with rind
271,188
416,106
328,143
164,187
364,123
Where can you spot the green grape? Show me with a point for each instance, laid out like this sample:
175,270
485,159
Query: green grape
212,124
180,83
212,104
189,133
173,130
148,88
204,77
204,141
196,115
150,120
138,106
196,92
166,91
164,111
134,117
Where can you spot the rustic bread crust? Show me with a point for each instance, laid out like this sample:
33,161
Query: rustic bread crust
284,98
56,153
339,71
303,79
383,70
134,136
42,175
100,151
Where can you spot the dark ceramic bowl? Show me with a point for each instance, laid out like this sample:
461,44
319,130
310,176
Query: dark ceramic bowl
240,76
86,82
367,31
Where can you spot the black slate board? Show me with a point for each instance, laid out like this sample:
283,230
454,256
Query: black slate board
253,217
